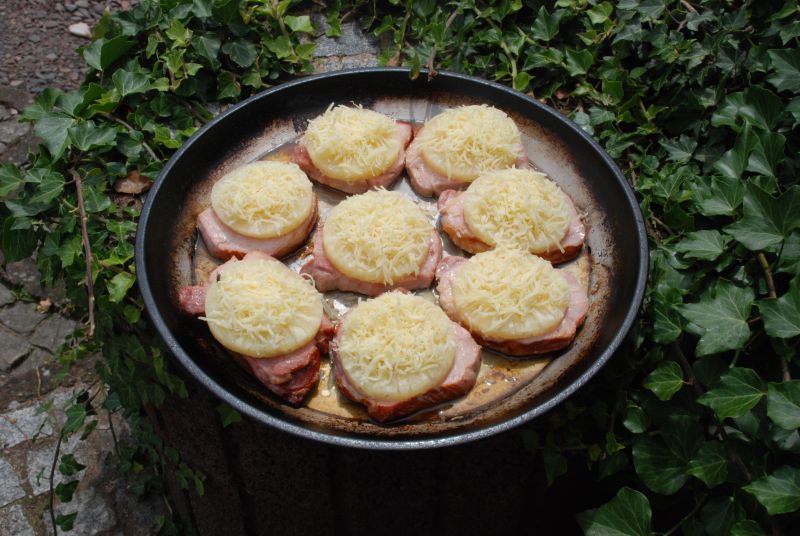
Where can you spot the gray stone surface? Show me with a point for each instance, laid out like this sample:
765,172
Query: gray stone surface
94,514
21,317
25,273
14,523
13,349
335,63
50,333
11,131
352,41
22,425
5,295
10,488
40,460
36,359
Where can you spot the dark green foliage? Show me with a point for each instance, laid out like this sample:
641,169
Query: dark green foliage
698,102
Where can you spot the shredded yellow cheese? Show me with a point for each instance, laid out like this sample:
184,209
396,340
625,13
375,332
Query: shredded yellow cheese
263,199
510,294
260,308
465,142
352,144
378,236
396,346
517,208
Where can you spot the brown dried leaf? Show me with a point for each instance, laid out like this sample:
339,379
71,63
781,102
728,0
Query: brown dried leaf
134,183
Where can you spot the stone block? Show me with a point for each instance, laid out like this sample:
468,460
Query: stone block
11,131
50,334
13,349
25,274
22,425
10,488
21,317
14,523
5,295
94,513
352,41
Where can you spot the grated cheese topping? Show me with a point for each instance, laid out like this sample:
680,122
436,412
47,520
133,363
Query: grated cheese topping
263,199
465,142
379,237
510,294
396,346
352,144
517,208
260,308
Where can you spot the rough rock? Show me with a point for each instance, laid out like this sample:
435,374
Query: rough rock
352,41
37,359
25,273
13,349
16,98
21,317
94,514
40,460
10,488
11,131
14,522
335,63
23,425
81,29
5,295
50,334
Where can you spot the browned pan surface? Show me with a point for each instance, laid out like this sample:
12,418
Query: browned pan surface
508,391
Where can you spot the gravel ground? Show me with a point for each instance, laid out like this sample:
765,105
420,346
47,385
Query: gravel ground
37,49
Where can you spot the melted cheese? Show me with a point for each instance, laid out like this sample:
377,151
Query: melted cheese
379,237
465,142
396,346
263,199
353,144
260,308
510,294
517,208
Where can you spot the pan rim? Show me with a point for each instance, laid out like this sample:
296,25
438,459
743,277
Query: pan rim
365,441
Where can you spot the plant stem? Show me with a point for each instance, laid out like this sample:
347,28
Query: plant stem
687,368
687,516
87,248
762,260
52,493
130,128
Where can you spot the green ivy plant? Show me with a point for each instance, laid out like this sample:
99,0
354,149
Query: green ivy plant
693,426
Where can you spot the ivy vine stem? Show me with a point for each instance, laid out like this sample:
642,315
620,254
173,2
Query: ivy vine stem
688,516
762,260
52,476
87,248
125,124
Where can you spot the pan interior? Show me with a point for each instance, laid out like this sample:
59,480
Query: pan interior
507,390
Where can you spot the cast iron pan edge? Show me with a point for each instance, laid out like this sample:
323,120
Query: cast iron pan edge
401,443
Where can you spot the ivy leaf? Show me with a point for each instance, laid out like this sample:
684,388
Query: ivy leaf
119,285
733,163
228,414
627,514
299,24
65,490
779,492
16,244
782,315
762,108
736,393
767,220
665,381
10,179
49,186
787,69
76,415
723,197
53,129
746,527
69,466
578,61
88,135
102,53
208,46
711,464
703,245
545,27
242,52
66,521
129,83
767,154
721,319
783,404
658,467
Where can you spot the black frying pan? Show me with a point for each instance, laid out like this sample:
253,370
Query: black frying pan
167,254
